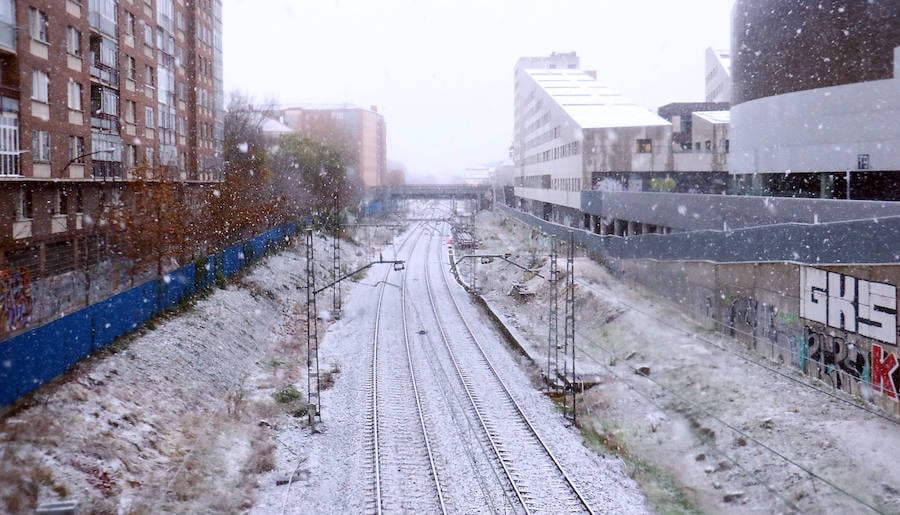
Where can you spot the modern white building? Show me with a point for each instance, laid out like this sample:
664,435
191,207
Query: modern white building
718,75
573,133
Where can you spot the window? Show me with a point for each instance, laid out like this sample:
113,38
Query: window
149,156
38,24
130,156
130,107
40,145
149,78
104,51
74,95
129,24
9,144
726,146
40,86
644,146
79,201
149,121
62,203
76,149
708,144
130,67
148,35
73,41
24,205
104,101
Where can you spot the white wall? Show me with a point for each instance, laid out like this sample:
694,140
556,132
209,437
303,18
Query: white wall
822,129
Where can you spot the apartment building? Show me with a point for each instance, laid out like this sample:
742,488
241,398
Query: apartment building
360,131
89,91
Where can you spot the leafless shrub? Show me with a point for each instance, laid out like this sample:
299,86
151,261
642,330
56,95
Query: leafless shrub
262,455
329,377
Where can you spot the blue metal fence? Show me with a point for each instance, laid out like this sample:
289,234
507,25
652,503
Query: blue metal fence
30,359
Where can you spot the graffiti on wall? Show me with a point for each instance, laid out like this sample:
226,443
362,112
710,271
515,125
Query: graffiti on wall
15,300
842,360
762,321
851,332
837,360
885,372
853,305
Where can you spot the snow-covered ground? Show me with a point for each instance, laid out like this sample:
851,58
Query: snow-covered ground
700,425
182,418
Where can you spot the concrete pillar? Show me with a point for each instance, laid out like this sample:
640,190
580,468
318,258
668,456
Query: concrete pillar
604,226
618,227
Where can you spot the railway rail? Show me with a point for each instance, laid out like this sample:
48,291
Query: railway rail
534,474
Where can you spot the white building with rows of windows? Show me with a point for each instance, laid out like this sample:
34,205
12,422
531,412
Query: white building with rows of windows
573,133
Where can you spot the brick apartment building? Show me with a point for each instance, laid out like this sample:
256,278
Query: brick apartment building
89,90
361,131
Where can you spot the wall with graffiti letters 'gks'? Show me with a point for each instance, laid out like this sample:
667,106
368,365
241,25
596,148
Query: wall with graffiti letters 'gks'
851,331
837,323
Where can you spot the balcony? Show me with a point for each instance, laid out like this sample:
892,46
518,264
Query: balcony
104,74
104,122
102,24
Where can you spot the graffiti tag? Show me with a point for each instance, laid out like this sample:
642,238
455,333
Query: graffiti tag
15,300
854,305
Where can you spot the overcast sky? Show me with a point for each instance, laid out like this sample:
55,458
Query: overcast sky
441,72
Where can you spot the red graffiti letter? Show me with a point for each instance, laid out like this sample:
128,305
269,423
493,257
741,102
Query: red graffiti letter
882,368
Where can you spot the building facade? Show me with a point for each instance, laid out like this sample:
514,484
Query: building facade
718,75
815,98
572,133
361,132
699,145
90,91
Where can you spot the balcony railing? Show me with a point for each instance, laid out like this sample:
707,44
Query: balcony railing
104,73
102,24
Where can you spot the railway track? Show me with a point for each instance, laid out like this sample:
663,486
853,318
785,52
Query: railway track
534,475
439,392
405,477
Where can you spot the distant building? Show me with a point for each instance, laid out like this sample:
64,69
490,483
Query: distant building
573,133
272,131
816,98
475,175
360,131
718,75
